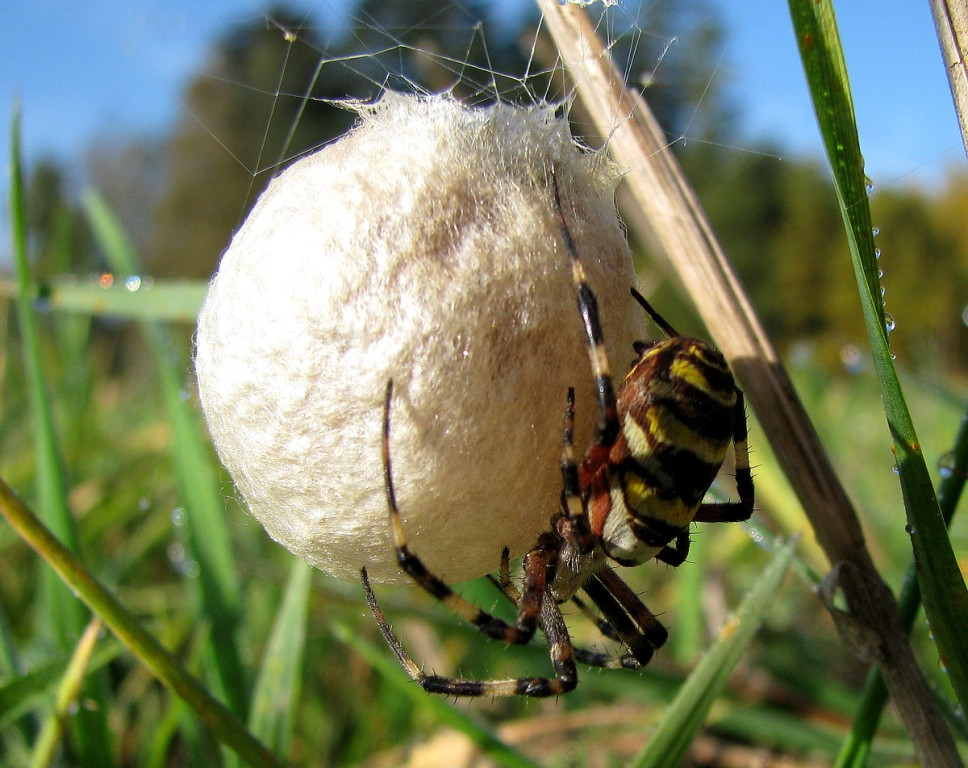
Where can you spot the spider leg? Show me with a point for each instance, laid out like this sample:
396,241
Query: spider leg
559,648
606,629
606,660
538,566
595,658
608,426
675,554
635,624
505,585
735,511
577,527
582,655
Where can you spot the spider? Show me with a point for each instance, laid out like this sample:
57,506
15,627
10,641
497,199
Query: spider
657,447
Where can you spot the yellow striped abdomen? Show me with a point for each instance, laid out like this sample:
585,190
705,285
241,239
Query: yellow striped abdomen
676,415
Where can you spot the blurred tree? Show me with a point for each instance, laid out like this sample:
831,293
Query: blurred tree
948,210
266,95
239,118
924,239
128,173
780,225
60,240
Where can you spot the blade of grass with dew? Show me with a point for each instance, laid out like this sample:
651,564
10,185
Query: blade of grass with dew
61,612
685,716
859,741
131,297
277,687
437,706
942,584
164,665
197,478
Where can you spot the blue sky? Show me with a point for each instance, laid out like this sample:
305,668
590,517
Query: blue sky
103,68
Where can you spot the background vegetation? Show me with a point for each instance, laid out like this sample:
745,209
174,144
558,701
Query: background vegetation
114,388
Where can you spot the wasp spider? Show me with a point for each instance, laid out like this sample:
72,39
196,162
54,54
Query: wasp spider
657,447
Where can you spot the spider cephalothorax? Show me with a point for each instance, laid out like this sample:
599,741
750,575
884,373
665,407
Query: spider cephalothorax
658,445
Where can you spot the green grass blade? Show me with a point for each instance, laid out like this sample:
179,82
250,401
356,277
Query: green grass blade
131,297
22,693
689,710
220,719
857,745
942,585
197,478
67,617
51,735
277,688
61,612
438,707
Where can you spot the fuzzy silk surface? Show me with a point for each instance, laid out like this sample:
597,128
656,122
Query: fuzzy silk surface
421,247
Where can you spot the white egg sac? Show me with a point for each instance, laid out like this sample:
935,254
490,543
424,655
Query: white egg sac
422,247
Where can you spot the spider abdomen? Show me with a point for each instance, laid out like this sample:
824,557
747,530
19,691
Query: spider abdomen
676,414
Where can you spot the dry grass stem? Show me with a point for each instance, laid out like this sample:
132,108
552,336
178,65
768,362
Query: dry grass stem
951,22
679,231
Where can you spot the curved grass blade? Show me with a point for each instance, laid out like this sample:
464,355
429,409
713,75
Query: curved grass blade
277,688
942,585
22,693
51,735
132,297
689,710
197,478
220,719
62,613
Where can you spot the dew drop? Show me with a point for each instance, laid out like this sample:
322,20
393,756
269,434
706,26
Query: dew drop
964,315
144,504
946,465
897,470
876,231
179,517
869,186
132,283
889,322
877,253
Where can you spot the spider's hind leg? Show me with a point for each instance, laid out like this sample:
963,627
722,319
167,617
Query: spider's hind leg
559,648
735,511
539,567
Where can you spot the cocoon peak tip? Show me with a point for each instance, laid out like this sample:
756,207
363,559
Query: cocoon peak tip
423,247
